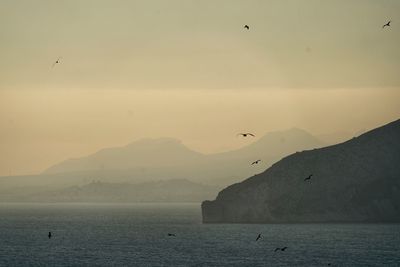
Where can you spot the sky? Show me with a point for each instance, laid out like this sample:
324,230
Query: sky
189,70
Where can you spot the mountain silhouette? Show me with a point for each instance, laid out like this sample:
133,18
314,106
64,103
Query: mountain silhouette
167,158
151,160
145,153
355,181
168,152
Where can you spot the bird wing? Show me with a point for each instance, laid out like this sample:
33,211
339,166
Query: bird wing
55,62
251,134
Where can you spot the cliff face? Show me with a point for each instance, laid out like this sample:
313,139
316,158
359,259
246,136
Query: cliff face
355,181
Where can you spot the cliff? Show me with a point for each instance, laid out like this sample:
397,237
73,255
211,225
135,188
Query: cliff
355,181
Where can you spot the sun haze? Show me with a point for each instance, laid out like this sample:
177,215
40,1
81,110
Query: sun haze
189,69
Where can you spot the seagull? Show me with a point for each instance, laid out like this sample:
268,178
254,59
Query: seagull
56,62
246,134
308,178
49,235
169,234
256,162
258,237
387,24
246,27
281,249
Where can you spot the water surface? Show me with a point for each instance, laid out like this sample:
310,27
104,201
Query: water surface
136,235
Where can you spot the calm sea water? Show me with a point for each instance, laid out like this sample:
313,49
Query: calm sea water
136,235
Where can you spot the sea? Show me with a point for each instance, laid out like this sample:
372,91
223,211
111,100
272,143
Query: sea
137,235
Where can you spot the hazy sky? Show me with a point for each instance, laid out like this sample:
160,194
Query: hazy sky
188,69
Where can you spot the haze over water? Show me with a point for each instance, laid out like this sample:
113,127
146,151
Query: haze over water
138,69
92,91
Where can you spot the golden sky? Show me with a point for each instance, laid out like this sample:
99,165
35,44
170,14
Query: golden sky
188,69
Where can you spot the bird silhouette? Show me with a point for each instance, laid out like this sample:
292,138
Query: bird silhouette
258,237
281,249
246,134
169,234
49,235
308,178
387,24
246,27
56,62
256,162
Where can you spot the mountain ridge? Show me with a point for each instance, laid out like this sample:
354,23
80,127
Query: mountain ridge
129,165
348,170
269,139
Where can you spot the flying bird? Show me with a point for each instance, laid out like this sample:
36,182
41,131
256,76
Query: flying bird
256,162
169,234
281,249
308,178
246,27
246,134
387,24
56,62
49,235
258,237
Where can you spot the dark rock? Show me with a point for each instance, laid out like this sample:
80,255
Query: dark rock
355,181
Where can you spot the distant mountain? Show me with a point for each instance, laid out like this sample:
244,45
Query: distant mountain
167,158
232,166
355,181
146,153
152,160
272,146
335,138
161,191
339,137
